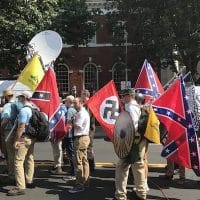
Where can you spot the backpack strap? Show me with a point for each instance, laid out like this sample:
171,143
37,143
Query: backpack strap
14,112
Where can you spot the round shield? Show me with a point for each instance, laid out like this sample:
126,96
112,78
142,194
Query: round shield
47,44
124,134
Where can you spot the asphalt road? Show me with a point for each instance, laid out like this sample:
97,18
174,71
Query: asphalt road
53,187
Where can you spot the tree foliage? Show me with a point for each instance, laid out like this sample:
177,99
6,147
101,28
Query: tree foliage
158,27
75,22
21,20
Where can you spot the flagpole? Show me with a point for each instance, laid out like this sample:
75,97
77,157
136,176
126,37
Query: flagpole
14,84
17,79
126,57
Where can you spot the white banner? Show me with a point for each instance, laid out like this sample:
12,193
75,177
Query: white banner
193,92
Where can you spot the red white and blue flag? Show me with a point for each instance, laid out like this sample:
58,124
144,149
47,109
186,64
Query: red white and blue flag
46,97
148,83
173,110
105,106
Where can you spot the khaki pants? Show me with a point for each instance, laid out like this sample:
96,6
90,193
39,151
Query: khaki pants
24,162
81,162
57,153
90,151
170,170
138,169
10,153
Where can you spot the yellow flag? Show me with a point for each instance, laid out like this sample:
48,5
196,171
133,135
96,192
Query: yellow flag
152,132
32,73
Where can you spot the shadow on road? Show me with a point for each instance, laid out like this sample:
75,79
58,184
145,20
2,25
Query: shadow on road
101,185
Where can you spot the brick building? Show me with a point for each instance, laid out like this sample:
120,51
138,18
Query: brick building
92,66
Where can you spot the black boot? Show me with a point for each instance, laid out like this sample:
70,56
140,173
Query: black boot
91,164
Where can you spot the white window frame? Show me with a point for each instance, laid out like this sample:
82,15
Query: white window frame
65,78
84,76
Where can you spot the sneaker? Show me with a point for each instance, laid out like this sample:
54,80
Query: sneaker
76,189
58,171
69,178
87,184
147,188
30,185
53,170
136,197
16,192
2,158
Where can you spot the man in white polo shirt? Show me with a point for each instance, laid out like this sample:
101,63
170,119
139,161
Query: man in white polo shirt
81,126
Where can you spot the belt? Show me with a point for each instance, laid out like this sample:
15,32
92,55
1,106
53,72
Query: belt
78,136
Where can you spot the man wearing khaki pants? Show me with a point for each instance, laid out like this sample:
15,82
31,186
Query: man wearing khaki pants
81,126
8,117
136,157
24,147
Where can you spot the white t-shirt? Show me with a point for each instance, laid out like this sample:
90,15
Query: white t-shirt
134,109
82,120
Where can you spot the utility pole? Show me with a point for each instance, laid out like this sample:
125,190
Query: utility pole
126,57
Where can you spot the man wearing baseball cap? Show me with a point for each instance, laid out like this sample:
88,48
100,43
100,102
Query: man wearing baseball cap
8,117
135,159
24,147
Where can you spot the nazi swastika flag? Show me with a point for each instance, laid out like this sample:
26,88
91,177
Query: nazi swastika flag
105,106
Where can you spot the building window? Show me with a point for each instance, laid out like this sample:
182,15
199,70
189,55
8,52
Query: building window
119,74
62,76
90,77
93,39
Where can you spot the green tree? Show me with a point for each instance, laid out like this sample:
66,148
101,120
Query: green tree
20,20
75,22
158,27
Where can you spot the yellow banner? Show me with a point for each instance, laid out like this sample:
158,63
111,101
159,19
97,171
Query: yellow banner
152,131
32,73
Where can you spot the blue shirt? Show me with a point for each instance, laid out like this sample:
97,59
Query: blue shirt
70,113
9,112
24,115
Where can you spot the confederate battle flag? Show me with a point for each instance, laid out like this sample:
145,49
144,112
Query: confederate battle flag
46,97
104,105
148,83
173,110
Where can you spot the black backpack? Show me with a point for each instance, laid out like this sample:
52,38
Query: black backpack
143,120
38,126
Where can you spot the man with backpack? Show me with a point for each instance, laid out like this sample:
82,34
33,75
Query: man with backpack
24,148
8,117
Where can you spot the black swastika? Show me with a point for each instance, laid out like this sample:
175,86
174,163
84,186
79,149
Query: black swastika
113,109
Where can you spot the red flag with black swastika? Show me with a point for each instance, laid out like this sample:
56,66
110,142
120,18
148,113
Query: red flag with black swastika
105,105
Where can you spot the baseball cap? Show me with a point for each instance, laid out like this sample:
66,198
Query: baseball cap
7,92
128,91
26,94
